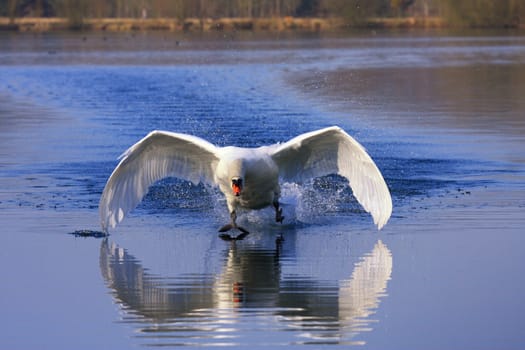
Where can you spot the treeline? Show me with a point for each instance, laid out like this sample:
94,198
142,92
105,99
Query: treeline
475,13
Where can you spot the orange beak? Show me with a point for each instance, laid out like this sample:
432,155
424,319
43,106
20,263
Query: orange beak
236,189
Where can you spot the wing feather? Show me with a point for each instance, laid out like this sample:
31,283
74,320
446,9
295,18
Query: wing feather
333,151
158,155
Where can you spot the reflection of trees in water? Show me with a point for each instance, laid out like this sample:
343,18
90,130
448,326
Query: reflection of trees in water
250,285
470,91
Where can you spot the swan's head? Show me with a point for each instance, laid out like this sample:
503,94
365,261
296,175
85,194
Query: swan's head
236,175
237,185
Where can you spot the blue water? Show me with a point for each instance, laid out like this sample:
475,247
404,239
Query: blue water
441,116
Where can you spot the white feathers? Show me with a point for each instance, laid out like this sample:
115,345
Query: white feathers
161,154
333,151
158,155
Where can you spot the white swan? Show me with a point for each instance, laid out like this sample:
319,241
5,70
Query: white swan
248,177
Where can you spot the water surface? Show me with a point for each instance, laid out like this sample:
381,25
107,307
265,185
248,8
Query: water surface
442,116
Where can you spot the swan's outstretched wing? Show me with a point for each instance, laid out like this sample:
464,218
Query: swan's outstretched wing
333,151
158,155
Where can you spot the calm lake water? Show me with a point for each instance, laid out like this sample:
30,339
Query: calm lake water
443,116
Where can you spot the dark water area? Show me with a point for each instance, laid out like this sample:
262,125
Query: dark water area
442,115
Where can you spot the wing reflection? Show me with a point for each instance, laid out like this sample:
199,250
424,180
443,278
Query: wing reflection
249,295
154,298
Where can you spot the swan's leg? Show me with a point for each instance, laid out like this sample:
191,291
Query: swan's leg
278,211
233,224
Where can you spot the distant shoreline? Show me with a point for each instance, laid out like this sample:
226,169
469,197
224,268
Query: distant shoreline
274,24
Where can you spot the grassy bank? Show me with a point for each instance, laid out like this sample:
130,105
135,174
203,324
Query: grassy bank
196,24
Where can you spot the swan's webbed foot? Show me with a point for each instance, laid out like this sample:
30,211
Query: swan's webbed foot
230,226
226,228
227,237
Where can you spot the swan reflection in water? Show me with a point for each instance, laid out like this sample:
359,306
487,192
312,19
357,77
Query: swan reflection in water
249,302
